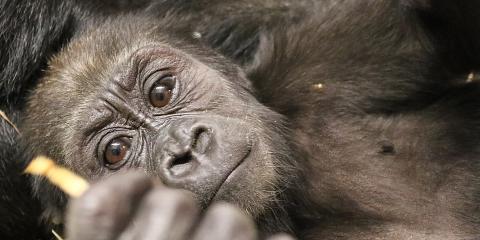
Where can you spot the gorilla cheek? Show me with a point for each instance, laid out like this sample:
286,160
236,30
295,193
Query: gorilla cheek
254,183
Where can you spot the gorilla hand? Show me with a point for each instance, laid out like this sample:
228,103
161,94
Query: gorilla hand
131,206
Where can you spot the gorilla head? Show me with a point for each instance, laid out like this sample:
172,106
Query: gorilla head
130,95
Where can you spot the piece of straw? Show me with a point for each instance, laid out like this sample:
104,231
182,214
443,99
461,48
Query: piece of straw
63,178
4,116
57,236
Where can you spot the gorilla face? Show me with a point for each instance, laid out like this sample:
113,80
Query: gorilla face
115,100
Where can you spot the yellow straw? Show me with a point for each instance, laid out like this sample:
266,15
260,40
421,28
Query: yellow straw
66,180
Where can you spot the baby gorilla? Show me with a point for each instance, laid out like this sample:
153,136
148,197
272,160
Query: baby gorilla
115,100
372,133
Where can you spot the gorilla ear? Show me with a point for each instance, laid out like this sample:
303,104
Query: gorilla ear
454,30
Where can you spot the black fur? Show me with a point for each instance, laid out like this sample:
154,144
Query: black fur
28,38
451,28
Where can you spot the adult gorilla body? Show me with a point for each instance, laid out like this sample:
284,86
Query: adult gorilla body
381,152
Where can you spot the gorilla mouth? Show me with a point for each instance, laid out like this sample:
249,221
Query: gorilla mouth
232,171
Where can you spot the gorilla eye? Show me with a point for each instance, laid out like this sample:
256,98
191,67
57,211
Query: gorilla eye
162,91
117,150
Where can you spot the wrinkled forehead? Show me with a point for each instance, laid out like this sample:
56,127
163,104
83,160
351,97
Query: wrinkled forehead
118,48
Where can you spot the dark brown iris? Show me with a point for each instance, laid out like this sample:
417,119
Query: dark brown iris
162,91
117,150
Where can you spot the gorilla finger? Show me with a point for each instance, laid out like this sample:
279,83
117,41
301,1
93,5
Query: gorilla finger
106,208
281,236
164,214
224,221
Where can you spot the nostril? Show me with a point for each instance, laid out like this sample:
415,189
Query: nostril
182,159
201,139
181,164
183,150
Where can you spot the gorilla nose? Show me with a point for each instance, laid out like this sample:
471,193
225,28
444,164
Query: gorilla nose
183,150
199,155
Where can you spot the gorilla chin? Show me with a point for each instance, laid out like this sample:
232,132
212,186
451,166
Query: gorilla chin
116,100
